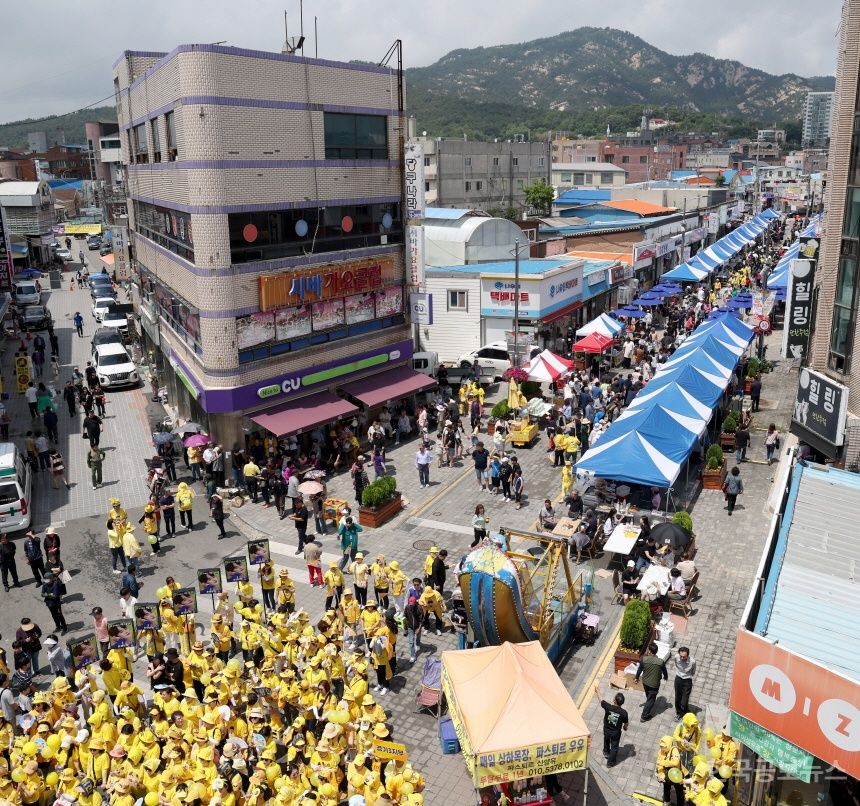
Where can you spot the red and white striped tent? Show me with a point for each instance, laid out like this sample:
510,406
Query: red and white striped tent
548,367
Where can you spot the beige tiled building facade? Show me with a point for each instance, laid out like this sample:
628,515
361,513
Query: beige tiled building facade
265,194
837,325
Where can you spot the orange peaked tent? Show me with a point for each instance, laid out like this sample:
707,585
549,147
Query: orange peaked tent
513,716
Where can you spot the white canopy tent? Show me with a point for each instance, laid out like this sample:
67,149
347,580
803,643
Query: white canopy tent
604,324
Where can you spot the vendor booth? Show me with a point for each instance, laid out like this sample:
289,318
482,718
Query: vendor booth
514,719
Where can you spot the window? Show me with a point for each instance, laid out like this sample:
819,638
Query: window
181,316
609,158
566,177
495,160
842,328
426,162
625,159
156,141
355,137
516,161
172,143
606,177
578,178
140,149
468,186
426,187
457,300
467,162
478,185
168,228
289,233
520,184
643,159
589,179
540,162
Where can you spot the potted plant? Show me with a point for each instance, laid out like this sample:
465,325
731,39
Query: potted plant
498,412
730,427
683,520
635,633
714,473
380,502
753,368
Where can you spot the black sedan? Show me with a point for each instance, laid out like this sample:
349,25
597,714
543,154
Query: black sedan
105,249
36,317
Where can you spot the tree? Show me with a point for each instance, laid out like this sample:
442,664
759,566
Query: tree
720,180
539,195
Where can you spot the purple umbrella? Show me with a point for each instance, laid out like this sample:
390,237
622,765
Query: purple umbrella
196,441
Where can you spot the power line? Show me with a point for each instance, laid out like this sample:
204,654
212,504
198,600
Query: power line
53,117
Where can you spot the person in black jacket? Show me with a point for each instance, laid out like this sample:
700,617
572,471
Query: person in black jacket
438,571
7,562
71,398
413,616
174,671
33,553
52,594
216,509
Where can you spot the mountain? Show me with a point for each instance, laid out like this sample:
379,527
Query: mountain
14,134
592,70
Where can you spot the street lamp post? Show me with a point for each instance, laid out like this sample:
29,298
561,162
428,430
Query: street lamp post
516,302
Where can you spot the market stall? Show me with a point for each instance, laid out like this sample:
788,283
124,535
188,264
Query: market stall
595,344
513,717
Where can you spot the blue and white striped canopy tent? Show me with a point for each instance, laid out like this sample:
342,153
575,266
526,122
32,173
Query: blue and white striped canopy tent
628,456
778,278
706,387
658,419
701,360
725,353
603,324
722,250
672,397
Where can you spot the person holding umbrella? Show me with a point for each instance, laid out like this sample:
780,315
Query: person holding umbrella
315,491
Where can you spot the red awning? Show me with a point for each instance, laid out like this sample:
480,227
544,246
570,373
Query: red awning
389,385
305,413
594,343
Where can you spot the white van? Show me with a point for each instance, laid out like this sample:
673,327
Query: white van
16,483
27,292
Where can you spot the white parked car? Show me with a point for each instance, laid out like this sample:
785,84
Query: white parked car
100,306
114,366
493,356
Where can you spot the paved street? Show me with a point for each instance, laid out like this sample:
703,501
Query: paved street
440,514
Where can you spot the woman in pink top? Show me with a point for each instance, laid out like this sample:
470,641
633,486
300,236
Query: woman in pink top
100,628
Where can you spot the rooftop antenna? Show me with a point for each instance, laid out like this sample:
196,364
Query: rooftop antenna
290,46
316,41
301,27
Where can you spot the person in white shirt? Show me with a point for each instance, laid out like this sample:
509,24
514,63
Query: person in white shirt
677,588
127,603
32,395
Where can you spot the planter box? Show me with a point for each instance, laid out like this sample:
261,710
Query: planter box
727,441
713,479
491,427
747,385
374,517
623,658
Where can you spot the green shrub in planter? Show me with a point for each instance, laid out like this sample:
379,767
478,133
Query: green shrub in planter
635,625
683,520
500,410
714,457
530,389
753,367
731,423
378,492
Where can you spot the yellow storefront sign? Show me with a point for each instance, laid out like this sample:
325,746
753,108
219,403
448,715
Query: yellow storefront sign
392,750
526,762
22,371
82,229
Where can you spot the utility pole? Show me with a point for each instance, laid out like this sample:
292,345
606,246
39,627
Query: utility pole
516,302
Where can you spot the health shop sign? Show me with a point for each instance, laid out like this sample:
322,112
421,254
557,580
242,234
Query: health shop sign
414,177
415,255
804,703
798,310
782,754
820,409
5,257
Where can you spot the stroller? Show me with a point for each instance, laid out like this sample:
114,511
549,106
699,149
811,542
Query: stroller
430,697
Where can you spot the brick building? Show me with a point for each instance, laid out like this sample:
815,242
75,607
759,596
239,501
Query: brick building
265,194
644,159
837,325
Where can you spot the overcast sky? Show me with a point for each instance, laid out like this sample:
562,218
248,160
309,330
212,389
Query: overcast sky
56,56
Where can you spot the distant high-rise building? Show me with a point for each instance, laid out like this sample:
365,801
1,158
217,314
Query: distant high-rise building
816,119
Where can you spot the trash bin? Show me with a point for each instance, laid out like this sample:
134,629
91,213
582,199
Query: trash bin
54,274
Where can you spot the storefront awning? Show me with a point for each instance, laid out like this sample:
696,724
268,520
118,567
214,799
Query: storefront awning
390,385
300,415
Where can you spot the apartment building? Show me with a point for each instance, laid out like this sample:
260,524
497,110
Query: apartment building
265,213
480,175
817,115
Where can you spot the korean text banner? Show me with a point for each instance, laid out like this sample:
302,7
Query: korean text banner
527,762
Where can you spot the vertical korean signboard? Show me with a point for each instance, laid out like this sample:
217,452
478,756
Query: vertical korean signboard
6,269
798,310
415,256
119,237
414,177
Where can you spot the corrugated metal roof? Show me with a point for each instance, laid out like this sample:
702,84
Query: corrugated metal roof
582,196
19,188
639,207
816,600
